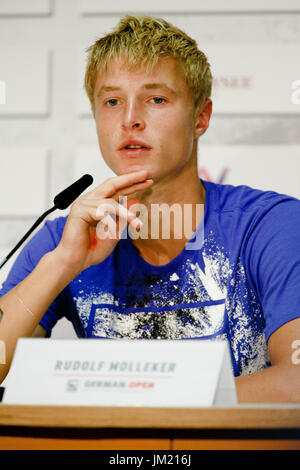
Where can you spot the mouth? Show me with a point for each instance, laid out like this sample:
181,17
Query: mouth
134,149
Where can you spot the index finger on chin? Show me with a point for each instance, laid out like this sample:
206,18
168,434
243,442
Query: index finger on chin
117,183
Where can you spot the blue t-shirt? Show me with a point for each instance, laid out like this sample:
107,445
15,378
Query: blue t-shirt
238,278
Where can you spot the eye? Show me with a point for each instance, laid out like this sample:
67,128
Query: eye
112,102
158,99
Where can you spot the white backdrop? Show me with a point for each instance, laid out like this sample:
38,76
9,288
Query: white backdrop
47,134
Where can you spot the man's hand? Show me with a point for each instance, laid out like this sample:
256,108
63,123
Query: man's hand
79,246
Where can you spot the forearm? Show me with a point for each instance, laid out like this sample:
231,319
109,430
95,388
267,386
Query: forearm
24,306
276,384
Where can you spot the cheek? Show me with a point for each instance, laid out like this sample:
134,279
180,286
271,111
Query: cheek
182,135
105,134
102,128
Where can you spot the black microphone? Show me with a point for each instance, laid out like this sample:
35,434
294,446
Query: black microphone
61,201
68,195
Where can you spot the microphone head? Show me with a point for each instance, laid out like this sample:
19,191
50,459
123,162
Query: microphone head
68,195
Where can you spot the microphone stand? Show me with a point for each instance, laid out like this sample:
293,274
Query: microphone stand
36,223
61,201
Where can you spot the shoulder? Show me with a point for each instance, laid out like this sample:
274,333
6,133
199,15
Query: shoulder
42,241
247,199
45,239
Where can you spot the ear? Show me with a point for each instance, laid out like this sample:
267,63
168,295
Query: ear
202,118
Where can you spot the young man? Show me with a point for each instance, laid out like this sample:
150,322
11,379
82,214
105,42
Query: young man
149,88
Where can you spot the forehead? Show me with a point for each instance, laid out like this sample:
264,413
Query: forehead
167,70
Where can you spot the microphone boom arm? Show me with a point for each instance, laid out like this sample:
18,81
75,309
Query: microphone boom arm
61,201
34,226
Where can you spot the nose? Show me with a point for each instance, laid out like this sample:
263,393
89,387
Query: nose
133,117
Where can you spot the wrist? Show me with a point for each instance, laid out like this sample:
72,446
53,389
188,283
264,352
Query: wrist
55,261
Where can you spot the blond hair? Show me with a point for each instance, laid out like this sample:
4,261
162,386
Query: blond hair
141,41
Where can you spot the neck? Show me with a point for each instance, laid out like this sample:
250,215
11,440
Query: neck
164,236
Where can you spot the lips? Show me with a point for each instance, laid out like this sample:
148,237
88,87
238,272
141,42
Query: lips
131,142
134,148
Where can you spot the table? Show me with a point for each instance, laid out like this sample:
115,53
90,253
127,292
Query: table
24,427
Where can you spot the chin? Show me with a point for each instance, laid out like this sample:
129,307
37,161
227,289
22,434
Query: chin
136,167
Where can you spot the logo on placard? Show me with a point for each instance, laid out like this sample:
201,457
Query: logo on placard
72,385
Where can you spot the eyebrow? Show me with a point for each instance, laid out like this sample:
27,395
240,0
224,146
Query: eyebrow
147,86
164,86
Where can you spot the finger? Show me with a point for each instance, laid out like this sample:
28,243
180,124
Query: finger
109,228
105,208
115,184
133,189
112,207
106,228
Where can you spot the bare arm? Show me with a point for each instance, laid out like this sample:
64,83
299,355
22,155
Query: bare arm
37,292
79,248
279,383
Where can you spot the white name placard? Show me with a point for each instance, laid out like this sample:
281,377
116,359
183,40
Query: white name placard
93,372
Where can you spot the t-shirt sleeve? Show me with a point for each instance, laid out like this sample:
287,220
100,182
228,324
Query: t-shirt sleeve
273,252
45,240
